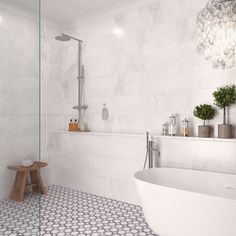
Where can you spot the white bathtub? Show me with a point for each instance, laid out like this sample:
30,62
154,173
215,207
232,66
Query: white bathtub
179,202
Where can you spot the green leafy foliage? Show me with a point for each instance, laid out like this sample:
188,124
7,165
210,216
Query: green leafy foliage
204,112
225,96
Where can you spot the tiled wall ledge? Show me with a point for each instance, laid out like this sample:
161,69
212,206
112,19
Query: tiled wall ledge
143,135
102,134
104,163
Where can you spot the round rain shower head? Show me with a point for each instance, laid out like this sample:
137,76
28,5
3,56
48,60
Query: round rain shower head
63,37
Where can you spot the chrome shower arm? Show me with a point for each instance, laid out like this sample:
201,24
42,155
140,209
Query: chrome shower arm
72,37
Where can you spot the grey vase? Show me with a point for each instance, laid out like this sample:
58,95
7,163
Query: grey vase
204,131
225,131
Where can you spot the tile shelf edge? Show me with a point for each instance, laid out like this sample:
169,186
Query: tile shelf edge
143,135
92,133
195,138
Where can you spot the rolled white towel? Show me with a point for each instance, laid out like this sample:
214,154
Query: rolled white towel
26,163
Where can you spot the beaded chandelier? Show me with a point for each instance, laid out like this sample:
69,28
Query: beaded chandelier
217,33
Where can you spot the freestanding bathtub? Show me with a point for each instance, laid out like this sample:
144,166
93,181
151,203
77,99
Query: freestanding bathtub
180,202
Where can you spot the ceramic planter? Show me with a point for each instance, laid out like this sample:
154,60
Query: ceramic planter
204,131
225,131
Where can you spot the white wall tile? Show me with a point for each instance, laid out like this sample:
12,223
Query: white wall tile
144,73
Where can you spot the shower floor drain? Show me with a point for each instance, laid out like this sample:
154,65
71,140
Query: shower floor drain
66,211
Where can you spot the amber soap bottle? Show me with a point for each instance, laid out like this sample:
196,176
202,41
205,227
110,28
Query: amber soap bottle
74,125
71,125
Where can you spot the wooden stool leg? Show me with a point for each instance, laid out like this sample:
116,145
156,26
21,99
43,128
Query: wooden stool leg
37,179
18,188
42,188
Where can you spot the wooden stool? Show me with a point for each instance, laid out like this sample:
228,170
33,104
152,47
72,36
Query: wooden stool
18,188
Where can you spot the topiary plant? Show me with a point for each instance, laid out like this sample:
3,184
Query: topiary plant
204,112
224,97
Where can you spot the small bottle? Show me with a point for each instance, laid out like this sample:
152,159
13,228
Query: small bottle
83,127
71,125
76,125
105,112
185,128
164,129
172,127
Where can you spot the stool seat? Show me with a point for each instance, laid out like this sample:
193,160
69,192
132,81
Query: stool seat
18,188
36,166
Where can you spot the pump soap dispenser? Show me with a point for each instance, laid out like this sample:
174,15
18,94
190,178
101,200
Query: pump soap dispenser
105,112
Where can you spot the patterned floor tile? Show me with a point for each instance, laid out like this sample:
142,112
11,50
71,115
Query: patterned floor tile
66,211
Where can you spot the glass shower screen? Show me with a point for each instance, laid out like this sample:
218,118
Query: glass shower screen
20,111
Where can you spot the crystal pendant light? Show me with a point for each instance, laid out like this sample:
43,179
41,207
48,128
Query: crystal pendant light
217,32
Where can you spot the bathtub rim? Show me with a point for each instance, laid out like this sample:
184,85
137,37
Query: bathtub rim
183,190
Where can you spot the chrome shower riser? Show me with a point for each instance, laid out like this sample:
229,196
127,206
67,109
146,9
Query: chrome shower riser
80,77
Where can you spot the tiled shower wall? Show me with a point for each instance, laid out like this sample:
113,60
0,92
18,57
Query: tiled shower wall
104,164
140,60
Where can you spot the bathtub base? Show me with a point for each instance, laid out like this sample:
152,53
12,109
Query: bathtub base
175,212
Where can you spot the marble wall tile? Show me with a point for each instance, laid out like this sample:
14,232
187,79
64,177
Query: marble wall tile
105,164
151,56
101,165
200,155
142,62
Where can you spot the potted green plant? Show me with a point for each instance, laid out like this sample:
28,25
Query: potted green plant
204,112
223,98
